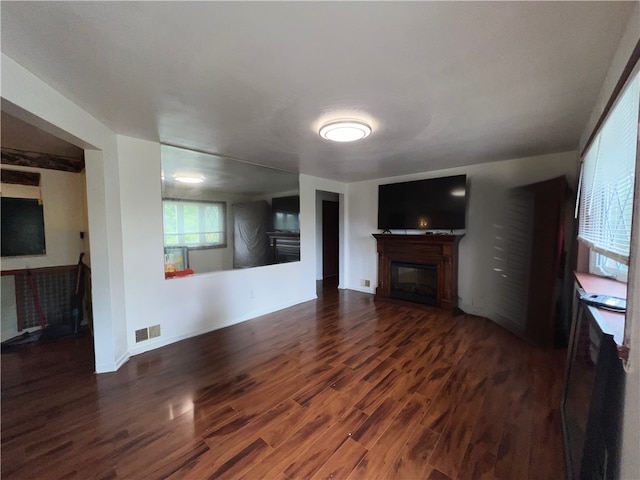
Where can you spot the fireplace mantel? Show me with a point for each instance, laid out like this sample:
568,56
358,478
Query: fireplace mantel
439,250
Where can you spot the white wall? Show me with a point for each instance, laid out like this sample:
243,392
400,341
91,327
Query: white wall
309,188
212,259
630,461
123,195
31,100
618,63
9,316
487,184
185,307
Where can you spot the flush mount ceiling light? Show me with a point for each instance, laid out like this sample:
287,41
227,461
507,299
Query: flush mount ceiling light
345,130
188,179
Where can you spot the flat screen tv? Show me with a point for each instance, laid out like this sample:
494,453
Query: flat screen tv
431,204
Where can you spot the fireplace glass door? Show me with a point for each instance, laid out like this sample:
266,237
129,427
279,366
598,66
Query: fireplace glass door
415,282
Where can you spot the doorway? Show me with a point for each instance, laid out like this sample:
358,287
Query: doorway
330,240
327,240
46,295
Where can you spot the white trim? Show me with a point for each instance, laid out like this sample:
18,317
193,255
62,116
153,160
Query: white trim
113,367
147,346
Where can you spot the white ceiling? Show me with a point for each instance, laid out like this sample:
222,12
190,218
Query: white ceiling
442,83
19,135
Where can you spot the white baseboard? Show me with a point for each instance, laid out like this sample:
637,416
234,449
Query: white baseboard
113,366
162,342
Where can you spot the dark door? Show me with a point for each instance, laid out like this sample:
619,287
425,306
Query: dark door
530,276
329,239
545,278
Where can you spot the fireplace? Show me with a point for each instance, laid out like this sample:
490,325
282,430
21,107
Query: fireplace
418,268
415,282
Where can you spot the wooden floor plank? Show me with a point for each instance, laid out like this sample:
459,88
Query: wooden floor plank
339,387
414,457
377,423
478,463
380,457
546,428
435,474
318,453
342,462
295,445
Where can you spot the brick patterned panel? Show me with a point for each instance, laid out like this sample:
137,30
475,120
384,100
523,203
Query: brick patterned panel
54,289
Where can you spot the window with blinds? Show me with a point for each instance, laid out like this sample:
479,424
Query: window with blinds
194,224
606,192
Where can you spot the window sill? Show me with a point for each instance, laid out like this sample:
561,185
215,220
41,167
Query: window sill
198,247
611,323
179,273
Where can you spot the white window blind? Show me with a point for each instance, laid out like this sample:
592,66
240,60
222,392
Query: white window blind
606,196
194,224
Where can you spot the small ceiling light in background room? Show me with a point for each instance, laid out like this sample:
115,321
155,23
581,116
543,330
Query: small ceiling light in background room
345,130
188,179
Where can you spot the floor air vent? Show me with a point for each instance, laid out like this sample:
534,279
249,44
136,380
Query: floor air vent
142,335
154,331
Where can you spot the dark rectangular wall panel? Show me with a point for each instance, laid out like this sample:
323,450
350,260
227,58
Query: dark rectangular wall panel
22,227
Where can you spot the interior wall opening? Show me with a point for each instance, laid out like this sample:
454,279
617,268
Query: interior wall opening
46,288
328,239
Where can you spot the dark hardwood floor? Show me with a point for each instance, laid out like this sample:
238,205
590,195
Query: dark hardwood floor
341,387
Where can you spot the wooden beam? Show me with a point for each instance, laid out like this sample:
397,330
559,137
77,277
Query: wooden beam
18,177
24,158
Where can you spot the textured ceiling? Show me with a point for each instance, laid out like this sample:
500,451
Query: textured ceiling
441,83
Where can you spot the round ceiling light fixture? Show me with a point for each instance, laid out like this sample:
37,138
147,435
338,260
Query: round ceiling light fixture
345,130
188,179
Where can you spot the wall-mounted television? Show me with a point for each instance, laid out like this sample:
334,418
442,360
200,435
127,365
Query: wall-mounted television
431,204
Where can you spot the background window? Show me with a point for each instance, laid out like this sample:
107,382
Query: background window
194,224
607,267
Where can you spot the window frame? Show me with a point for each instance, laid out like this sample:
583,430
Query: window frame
200,245
600,261
608,267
